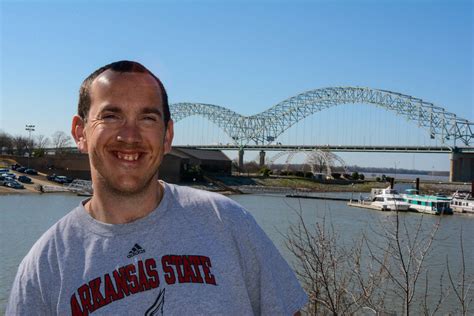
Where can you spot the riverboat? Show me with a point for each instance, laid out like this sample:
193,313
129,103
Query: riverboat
388,200
429,204
462,202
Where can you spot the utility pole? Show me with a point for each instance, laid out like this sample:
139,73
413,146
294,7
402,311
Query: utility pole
29,128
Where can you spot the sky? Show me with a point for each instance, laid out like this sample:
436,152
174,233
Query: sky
246,56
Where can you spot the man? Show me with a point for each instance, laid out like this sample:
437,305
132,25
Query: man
141,246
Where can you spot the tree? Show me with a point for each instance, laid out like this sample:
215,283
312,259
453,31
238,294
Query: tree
461,286
355,175
265,171
338,280
371,271
407,248
6,143
20,143
40,144
60,140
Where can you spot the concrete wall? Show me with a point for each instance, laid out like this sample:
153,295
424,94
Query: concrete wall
462,167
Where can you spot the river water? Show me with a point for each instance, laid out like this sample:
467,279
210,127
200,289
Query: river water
23,218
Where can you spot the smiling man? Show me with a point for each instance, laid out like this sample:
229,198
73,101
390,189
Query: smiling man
141,246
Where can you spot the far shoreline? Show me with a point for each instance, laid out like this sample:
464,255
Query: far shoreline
229,185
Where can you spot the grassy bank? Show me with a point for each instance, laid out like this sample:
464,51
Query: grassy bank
332,186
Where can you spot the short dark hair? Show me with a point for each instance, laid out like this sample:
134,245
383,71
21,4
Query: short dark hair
118,66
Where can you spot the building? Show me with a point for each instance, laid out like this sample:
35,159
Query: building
209,161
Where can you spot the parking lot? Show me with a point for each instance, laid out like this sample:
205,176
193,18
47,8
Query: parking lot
39,179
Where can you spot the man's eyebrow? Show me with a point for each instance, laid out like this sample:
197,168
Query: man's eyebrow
117,109
152,110
110,108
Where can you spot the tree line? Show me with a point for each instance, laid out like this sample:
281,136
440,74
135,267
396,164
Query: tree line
35,146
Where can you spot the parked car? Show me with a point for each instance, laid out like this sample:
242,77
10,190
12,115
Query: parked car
60,179
4,170
14,184
21,169
9,175
13,167
31,171
24,179
51,177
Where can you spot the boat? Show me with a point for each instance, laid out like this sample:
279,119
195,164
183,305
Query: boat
429,204
462,202
388,200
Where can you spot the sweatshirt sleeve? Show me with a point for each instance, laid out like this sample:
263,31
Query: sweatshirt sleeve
271,283
27,296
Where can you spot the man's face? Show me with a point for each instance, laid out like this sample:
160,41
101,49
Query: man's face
124,133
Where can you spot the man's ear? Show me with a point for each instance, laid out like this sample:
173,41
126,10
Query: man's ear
78,133
169,134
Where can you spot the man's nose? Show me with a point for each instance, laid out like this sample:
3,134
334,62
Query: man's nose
130,132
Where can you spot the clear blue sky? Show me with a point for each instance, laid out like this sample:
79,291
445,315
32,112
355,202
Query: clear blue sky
244,55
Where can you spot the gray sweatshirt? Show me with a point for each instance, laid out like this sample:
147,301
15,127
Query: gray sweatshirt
197,253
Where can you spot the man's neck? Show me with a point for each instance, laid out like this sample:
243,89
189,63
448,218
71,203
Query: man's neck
121,209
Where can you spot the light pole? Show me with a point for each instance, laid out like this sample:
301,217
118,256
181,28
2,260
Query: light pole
29,128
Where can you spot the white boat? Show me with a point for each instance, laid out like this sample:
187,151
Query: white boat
462,202
388,200
429,204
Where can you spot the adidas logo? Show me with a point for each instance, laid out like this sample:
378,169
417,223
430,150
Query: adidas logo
136,250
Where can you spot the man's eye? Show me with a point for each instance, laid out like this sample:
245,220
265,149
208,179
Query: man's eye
110,117
150,118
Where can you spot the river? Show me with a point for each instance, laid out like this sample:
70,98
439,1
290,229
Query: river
23,218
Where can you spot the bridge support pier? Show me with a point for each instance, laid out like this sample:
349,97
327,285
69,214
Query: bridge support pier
262,159
462,167
241,158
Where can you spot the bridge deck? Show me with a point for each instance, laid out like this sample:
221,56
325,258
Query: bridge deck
338,148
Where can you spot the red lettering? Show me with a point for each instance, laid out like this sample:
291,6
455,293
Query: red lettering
97,298
75,308
189,275
129,279
85,297
195,262
206,265
142,278
121,283
177,262
132,278
110,294
169,272
150,267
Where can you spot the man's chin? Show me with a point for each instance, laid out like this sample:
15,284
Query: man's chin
130,188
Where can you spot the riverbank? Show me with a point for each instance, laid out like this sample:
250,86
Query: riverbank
303,184
249,184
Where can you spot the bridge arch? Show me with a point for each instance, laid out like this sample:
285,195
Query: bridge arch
265,127
323,158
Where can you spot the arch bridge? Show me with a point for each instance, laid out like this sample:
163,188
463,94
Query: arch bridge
265,127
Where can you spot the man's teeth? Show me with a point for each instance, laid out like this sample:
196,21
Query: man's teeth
128,157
